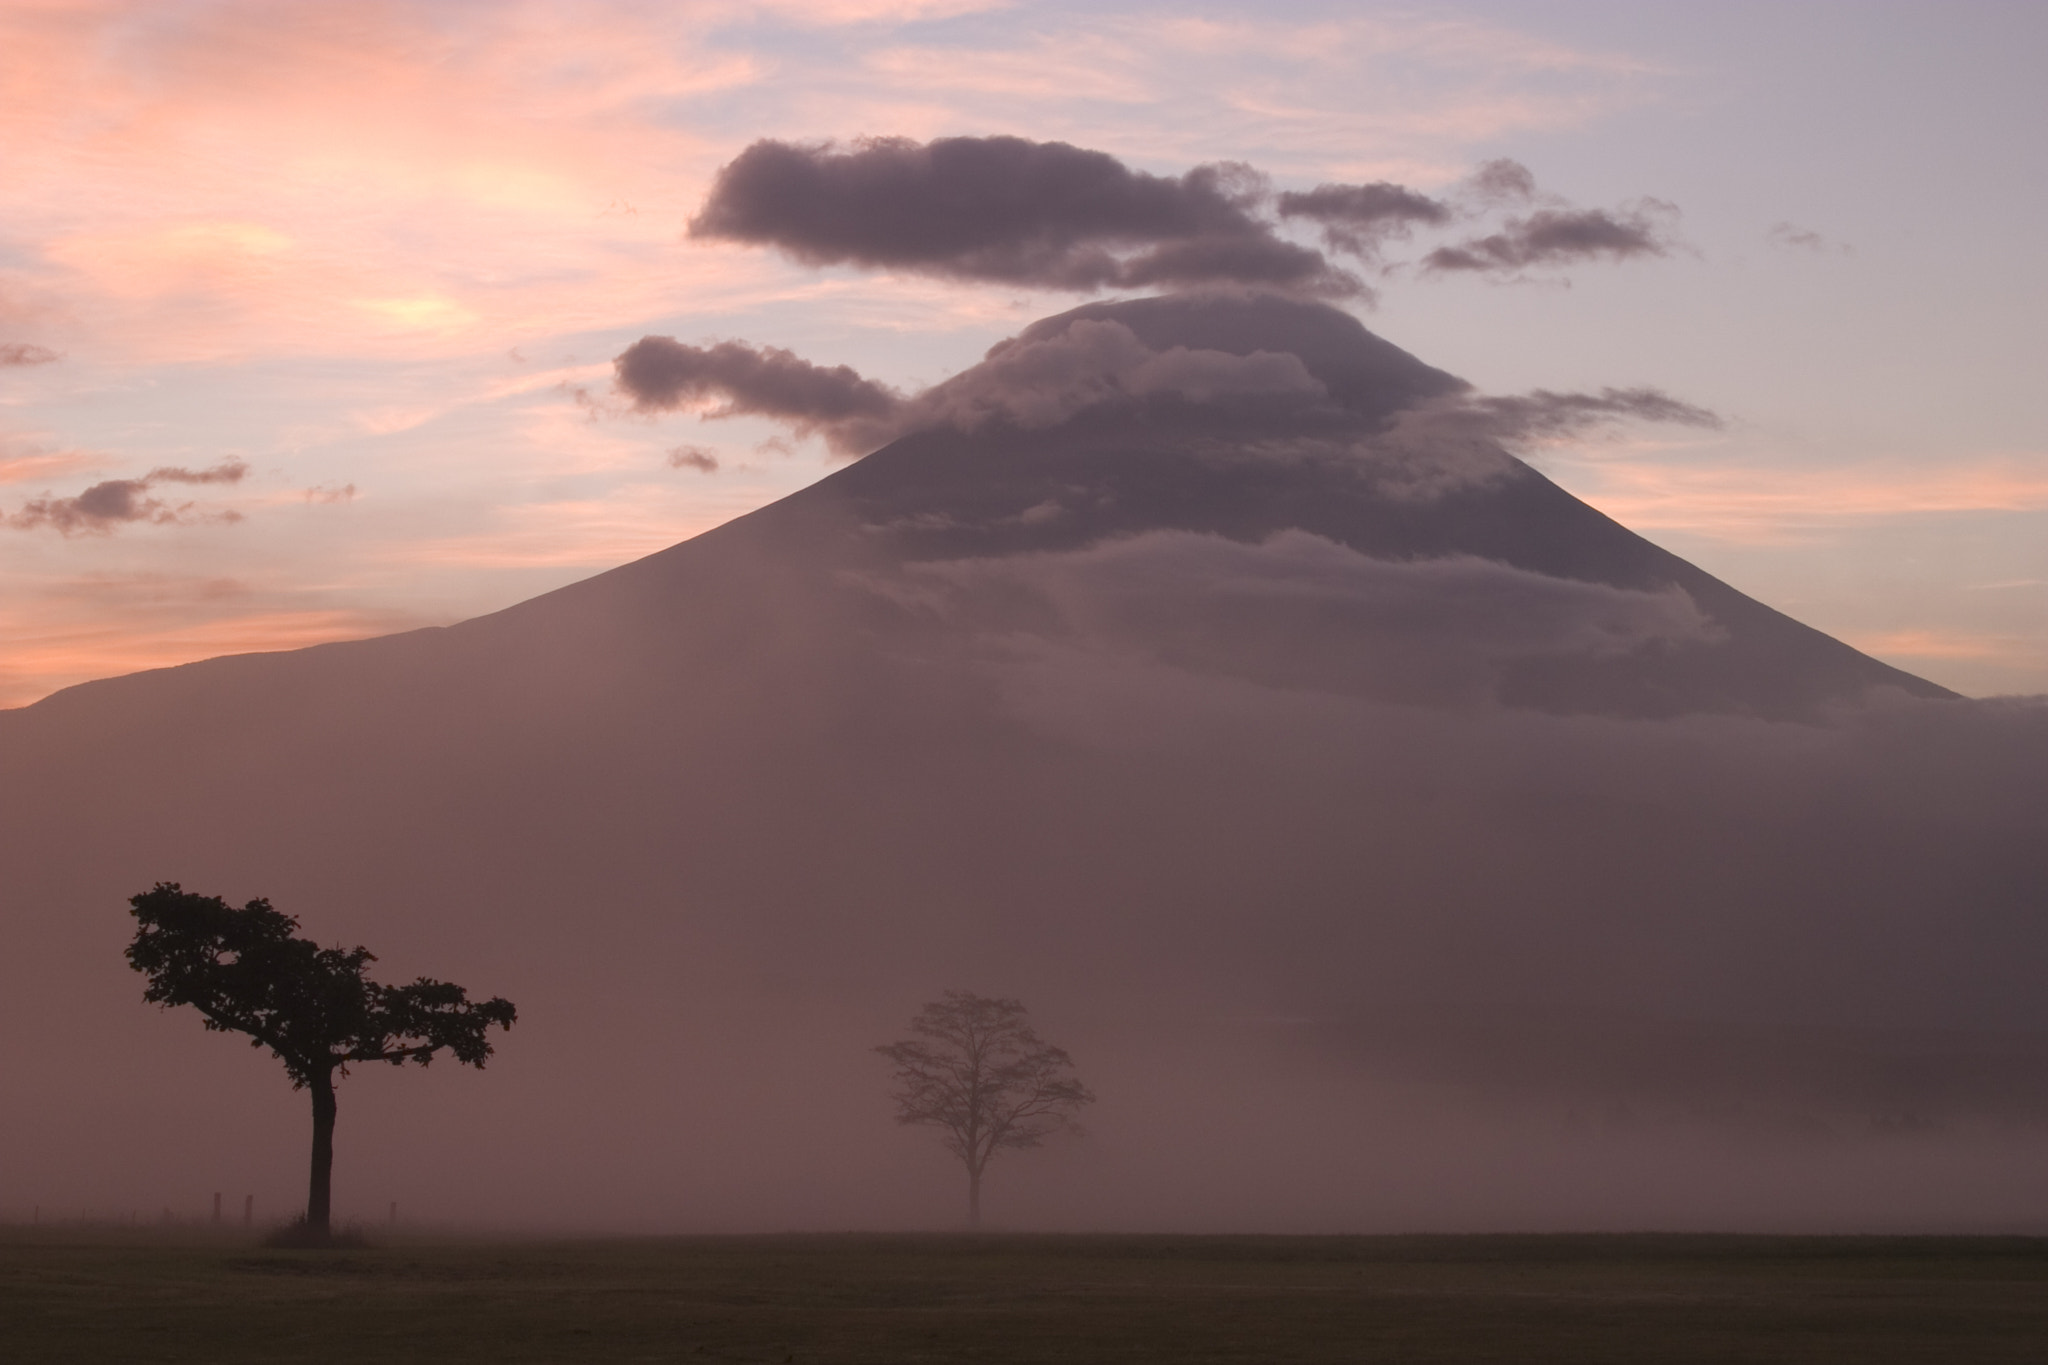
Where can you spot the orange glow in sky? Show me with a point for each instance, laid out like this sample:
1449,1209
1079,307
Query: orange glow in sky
383,253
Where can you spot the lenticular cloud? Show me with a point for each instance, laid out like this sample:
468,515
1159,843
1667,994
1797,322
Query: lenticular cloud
1049,215
1009,211
1279,369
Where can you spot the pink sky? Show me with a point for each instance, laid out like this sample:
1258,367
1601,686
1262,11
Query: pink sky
384,252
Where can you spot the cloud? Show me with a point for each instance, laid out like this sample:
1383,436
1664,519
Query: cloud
575,536
1041,381
1290,360
23,353
693,457
1007,210
1501,179
481,148
1456,440
1913,643
661,374
1563,236
1031,381
1546,415
227,471
1302,94
119,502
822,13
1805,239
42,464
1299,611
102,624
1361,218
1762,504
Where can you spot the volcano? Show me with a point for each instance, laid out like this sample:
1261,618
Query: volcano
1194,667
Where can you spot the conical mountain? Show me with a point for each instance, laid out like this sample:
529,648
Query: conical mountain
1062,452
1190,661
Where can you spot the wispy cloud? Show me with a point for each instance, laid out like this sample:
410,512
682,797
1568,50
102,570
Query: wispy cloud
176,173
384,199
848,12
33,465
1310,97
1979,662
1797,238
100,625
1763,504
1562,236
581,533
113,503
1937,644
182,171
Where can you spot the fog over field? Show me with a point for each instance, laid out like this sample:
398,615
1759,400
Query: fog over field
1395,841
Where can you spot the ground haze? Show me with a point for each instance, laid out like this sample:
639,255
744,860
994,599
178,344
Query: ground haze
1393,840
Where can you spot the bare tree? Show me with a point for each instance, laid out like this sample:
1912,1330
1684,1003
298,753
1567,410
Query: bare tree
978,1072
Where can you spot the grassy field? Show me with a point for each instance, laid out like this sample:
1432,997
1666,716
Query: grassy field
108,1297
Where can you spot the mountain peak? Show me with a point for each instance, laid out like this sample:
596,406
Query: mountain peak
1265,422
1365,373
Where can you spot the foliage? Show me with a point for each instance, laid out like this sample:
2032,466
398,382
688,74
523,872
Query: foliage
246,971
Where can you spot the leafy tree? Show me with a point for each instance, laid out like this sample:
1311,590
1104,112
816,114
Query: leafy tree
246,971
978,1073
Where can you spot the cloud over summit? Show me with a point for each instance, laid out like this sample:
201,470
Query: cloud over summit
1278,371
1042,380
1007,210
1050,215
1027,382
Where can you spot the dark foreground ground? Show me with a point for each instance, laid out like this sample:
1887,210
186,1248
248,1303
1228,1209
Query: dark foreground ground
72,1296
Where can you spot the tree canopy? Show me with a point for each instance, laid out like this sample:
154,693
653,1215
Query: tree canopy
246,970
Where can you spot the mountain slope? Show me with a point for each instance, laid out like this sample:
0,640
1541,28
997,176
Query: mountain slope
1291,758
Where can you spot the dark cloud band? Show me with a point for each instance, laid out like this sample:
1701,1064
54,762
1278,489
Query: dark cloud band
1360,219
1554,237
227,471
1011,211
1008,210
660,374
1157,359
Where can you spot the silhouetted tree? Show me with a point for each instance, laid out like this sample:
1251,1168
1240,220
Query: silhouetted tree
246,971
978,1072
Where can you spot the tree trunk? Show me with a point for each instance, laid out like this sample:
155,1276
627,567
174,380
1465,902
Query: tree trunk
973,1198
319,1192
